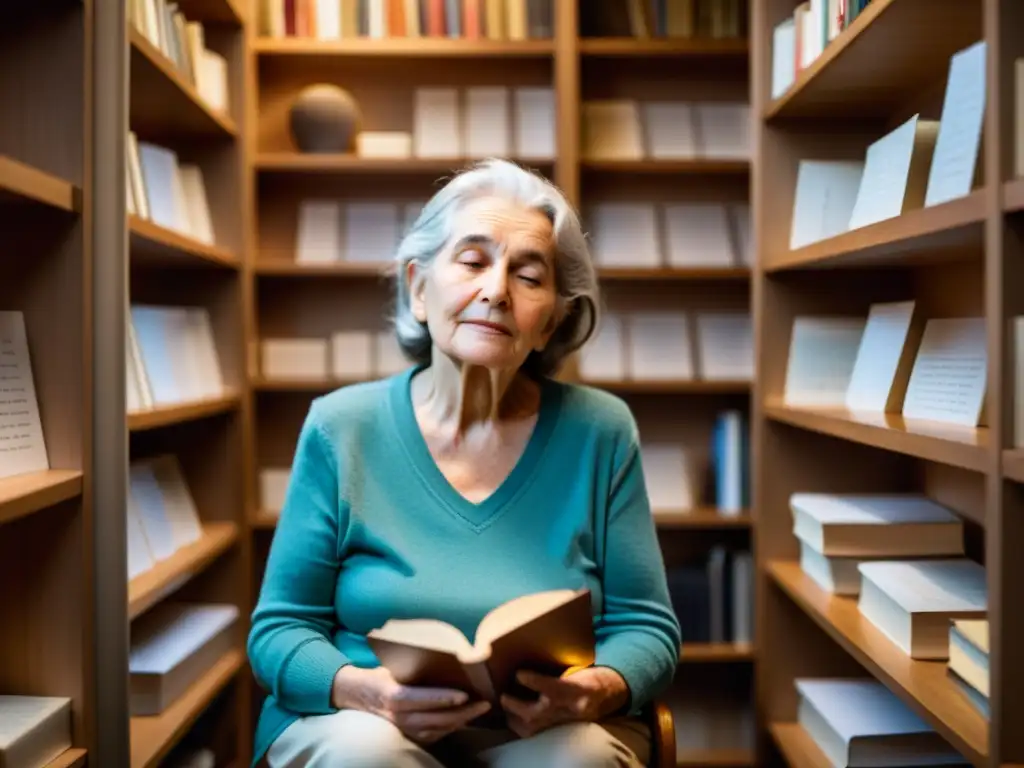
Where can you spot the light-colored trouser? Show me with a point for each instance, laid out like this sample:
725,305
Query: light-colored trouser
353,739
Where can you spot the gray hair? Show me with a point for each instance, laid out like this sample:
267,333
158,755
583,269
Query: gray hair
575,277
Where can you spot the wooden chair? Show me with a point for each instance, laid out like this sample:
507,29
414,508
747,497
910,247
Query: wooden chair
663,735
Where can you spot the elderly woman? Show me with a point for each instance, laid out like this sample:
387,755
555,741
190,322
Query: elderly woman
446,490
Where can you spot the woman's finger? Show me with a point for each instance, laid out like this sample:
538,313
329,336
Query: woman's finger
408,698
442,719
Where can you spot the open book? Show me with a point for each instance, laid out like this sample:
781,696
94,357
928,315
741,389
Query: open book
547,632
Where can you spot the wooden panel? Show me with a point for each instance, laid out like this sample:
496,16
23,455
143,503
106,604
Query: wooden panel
22,183
22,495
153,245
309,50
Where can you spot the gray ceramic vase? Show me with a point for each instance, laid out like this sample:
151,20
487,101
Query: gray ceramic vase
324,119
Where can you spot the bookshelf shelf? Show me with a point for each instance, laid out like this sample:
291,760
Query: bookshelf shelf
1013,464
163,103
710,653
702,517
22,183
153,737
1013,196
214,11
294,162
923,685
411,48
263,384
139,421
671,386
24,494
72,758
797,747
924,236
664,47
714,758
962,447
153,245
880,62
698,167
149,588
675,274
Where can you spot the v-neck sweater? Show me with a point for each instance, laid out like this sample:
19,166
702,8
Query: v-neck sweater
372,530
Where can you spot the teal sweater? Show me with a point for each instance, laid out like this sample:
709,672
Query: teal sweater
372,530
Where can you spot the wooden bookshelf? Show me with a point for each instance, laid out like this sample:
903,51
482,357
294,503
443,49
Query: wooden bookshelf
170,268
290,299
960,259
50,554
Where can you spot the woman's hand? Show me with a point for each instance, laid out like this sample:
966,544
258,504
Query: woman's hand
585,695
425,715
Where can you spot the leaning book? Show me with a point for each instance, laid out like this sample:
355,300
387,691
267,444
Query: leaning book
547,632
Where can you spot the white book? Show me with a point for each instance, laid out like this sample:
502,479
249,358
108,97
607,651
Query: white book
826,191
160,176
319,232
822,353
884,358
837,575
147,501
913,601
534,123
875,525
274,488
22,445
392,145
671,130
371,232
659,346
135,176
135,361
603,357
697,235
726,346
179,507
212,80
352,354
294,358
200,225
666,476
624,235
724,130
783,57
860,723
949,378
488,127
437,124
140,557
955,162
202,348
611,131
895,173
328,19
34,730
177,324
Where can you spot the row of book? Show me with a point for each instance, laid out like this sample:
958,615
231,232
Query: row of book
376,19
713,597
643,19
161,513
920,164
902,557
799,39
162,189
630,129
170,357
892,361
183,43
471,123
655,345
646,234
351,355
681,478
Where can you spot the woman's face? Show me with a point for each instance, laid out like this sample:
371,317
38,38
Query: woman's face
489,298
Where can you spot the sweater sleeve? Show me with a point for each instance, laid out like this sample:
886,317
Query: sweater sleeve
290,647
638,634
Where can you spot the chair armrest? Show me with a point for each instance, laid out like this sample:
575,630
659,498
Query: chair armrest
663,735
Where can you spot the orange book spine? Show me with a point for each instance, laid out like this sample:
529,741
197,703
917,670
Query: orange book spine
472,19
397,26
435,18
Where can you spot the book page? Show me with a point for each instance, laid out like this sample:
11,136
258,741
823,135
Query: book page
826,191
22,448
949,376
959,142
